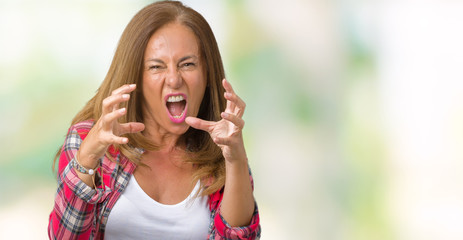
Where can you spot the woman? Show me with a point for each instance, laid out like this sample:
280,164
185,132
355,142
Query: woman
149,156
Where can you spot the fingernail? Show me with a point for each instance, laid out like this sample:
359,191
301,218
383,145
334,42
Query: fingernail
125,96
132,85
228,95
224,114
122,110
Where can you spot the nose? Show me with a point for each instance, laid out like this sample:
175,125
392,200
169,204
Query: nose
174,79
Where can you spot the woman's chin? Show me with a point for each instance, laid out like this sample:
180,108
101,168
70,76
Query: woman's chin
178,128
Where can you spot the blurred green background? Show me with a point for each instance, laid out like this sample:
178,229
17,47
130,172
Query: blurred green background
353,121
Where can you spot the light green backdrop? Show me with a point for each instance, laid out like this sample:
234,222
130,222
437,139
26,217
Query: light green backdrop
332,116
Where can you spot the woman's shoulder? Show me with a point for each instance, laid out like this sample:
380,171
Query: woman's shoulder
82,128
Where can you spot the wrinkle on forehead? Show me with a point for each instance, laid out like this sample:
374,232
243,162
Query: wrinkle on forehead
173,41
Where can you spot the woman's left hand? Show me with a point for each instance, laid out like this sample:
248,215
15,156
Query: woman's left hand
226,133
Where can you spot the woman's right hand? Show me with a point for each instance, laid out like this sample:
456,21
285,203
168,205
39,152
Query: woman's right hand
107,130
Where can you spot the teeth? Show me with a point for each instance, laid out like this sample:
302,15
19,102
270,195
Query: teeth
177,98
179,116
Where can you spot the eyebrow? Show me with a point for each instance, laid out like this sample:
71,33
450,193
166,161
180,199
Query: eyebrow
187,57
155,60
181,59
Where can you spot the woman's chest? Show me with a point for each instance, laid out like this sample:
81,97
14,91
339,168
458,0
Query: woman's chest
165,186
137,216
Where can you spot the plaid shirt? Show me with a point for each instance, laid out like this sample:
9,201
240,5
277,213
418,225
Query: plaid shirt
81,212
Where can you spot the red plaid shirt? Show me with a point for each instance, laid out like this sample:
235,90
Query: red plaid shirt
81,212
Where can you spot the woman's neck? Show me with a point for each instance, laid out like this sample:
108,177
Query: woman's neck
159,136
168,159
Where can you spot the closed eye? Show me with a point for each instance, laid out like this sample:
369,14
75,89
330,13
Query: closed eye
188,64
155,67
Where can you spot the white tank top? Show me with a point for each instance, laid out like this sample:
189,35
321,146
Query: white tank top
137,216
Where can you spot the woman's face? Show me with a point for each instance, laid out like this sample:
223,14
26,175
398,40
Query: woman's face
173,78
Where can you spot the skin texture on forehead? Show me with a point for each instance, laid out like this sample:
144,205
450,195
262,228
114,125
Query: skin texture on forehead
172,46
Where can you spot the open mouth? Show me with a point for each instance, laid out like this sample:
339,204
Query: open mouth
176,107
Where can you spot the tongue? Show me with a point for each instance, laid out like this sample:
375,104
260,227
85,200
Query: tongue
176,108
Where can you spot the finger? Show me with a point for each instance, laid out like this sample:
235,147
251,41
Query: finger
223,141
228,87
109,139
109,118
240,105
235,104
124,89
239,122
199,123
228,90
110,103
131,127
118,140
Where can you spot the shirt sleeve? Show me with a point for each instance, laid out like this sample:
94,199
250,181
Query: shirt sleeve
221,230
73,213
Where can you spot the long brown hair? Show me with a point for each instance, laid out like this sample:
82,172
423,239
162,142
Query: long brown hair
127,67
